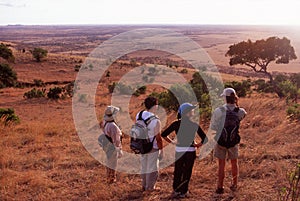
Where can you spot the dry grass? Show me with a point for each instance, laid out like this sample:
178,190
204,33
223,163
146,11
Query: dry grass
42,158
43,161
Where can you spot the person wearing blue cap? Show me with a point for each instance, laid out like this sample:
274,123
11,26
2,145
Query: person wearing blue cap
185,151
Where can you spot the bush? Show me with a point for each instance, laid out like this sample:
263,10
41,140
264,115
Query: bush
241,88
38,83
35,93
77,67
289,90
152,71
184,71
54,93
292,191
167,100
39,53
140,90
124,89
8,77
8,115
68,89
6,53
293,112
111,87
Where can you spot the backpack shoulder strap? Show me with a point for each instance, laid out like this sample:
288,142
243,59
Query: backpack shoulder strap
140,115
236,109
149,119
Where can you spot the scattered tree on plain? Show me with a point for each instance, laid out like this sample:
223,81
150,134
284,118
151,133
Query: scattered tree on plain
259,54
39,53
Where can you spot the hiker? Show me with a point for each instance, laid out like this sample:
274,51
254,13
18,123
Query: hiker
185,151
150,161
227,137
113,149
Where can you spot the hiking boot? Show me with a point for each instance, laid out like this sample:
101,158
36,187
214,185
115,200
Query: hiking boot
220,190
184,195
175,194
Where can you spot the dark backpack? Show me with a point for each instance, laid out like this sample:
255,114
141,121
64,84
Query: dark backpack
140,142
229,136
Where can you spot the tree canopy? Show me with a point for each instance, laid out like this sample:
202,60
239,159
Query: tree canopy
39,53
8,77
6,53
259,54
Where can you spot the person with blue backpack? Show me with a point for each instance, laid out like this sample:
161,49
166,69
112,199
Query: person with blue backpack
185,151
226,122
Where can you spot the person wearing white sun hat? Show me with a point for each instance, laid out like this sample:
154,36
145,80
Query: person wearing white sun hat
227,136
114,135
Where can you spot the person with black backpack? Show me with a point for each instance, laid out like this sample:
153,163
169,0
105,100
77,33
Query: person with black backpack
226,122
150,158
185,151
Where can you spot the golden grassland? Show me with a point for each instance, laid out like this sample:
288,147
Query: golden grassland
42,158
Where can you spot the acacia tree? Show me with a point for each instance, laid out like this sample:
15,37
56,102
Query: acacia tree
39,53
259,54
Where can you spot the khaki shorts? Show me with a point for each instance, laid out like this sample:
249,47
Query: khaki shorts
221,152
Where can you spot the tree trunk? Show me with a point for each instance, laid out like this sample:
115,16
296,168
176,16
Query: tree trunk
270,77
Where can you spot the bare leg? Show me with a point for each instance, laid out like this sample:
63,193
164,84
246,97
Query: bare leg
221,173
235,171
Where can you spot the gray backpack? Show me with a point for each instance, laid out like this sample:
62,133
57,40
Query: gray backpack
140,142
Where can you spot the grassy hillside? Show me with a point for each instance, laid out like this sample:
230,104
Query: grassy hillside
43,161
42,158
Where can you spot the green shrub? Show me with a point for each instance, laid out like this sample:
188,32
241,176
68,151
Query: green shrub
8,115
35,93
124,89
111,87
38,83
152,71
289,90
291,192
54,93
6,53
241,88
140,90
293,112
8,77
107,74
39,53
184,71
68,90
77,67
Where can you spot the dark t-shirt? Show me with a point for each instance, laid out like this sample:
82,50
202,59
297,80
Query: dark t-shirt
185,131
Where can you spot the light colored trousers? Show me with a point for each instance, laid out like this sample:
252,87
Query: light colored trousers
149,172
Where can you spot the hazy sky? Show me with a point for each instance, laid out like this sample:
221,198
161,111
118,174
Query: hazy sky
150,12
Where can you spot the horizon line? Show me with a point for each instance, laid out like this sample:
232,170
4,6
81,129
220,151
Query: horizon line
153,24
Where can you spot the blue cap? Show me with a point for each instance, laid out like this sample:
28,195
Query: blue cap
185,108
